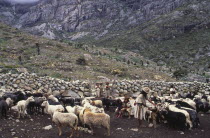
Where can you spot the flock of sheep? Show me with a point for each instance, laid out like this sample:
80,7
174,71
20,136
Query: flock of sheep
177,111
88,112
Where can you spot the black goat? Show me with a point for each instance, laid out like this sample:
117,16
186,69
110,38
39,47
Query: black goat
174,119
35,107
193,116
184,104
16,97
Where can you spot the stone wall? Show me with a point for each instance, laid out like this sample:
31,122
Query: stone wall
34,83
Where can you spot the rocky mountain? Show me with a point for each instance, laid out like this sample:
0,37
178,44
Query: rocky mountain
93,17
172,33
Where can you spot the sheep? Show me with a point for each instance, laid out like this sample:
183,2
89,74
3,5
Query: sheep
175,109
22,105
97,103
53,98
70,109
9,102
97,119
50,109
65,119
86,101
93,109
77,109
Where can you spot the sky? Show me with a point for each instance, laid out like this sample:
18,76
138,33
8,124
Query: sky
22,1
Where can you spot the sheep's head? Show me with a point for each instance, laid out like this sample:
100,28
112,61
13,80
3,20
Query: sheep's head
31,99
59,110
10,101
44,103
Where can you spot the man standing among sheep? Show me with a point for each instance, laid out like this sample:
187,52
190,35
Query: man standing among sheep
107,90
141,104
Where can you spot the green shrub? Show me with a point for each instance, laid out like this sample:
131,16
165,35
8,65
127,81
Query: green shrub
180,73
81,61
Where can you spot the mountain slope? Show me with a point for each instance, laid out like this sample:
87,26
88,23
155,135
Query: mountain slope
179,39
64,60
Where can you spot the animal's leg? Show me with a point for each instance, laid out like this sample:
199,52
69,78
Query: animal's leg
1,114
5,113
59,130
108,130
91,129
129,114
72,131
77,131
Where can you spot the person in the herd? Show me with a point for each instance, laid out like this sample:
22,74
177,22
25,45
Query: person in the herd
107,90
172,91
119,107
141,104
126,107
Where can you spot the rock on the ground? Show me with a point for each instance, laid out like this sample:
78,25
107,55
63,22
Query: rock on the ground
47,127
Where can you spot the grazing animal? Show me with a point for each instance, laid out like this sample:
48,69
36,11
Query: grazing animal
9,102
184,104
174,119
193,116
50,109
97,103
22,105
35,107
16,97
77,109
175,109
53,98
65,119
97,119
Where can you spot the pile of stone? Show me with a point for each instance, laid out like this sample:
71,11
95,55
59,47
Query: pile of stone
33,83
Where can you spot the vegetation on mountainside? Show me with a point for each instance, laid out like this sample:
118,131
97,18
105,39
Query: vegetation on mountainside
64,59
178,40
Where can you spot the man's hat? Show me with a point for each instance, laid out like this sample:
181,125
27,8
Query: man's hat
146,89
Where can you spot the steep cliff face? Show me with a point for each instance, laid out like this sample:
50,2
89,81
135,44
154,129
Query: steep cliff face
95,17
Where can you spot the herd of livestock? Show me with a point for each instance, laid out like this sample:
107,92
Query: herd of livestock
177,111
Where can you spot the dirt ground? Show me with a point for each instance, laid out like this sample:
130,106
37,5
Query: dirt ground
120,128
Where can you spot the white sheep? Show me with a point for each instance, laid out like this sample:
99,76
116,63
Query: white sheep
86,101
97,103
22,105
97,119
70,109
77,109
65,119
52,108
9,102
92,108
174,109
53,98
